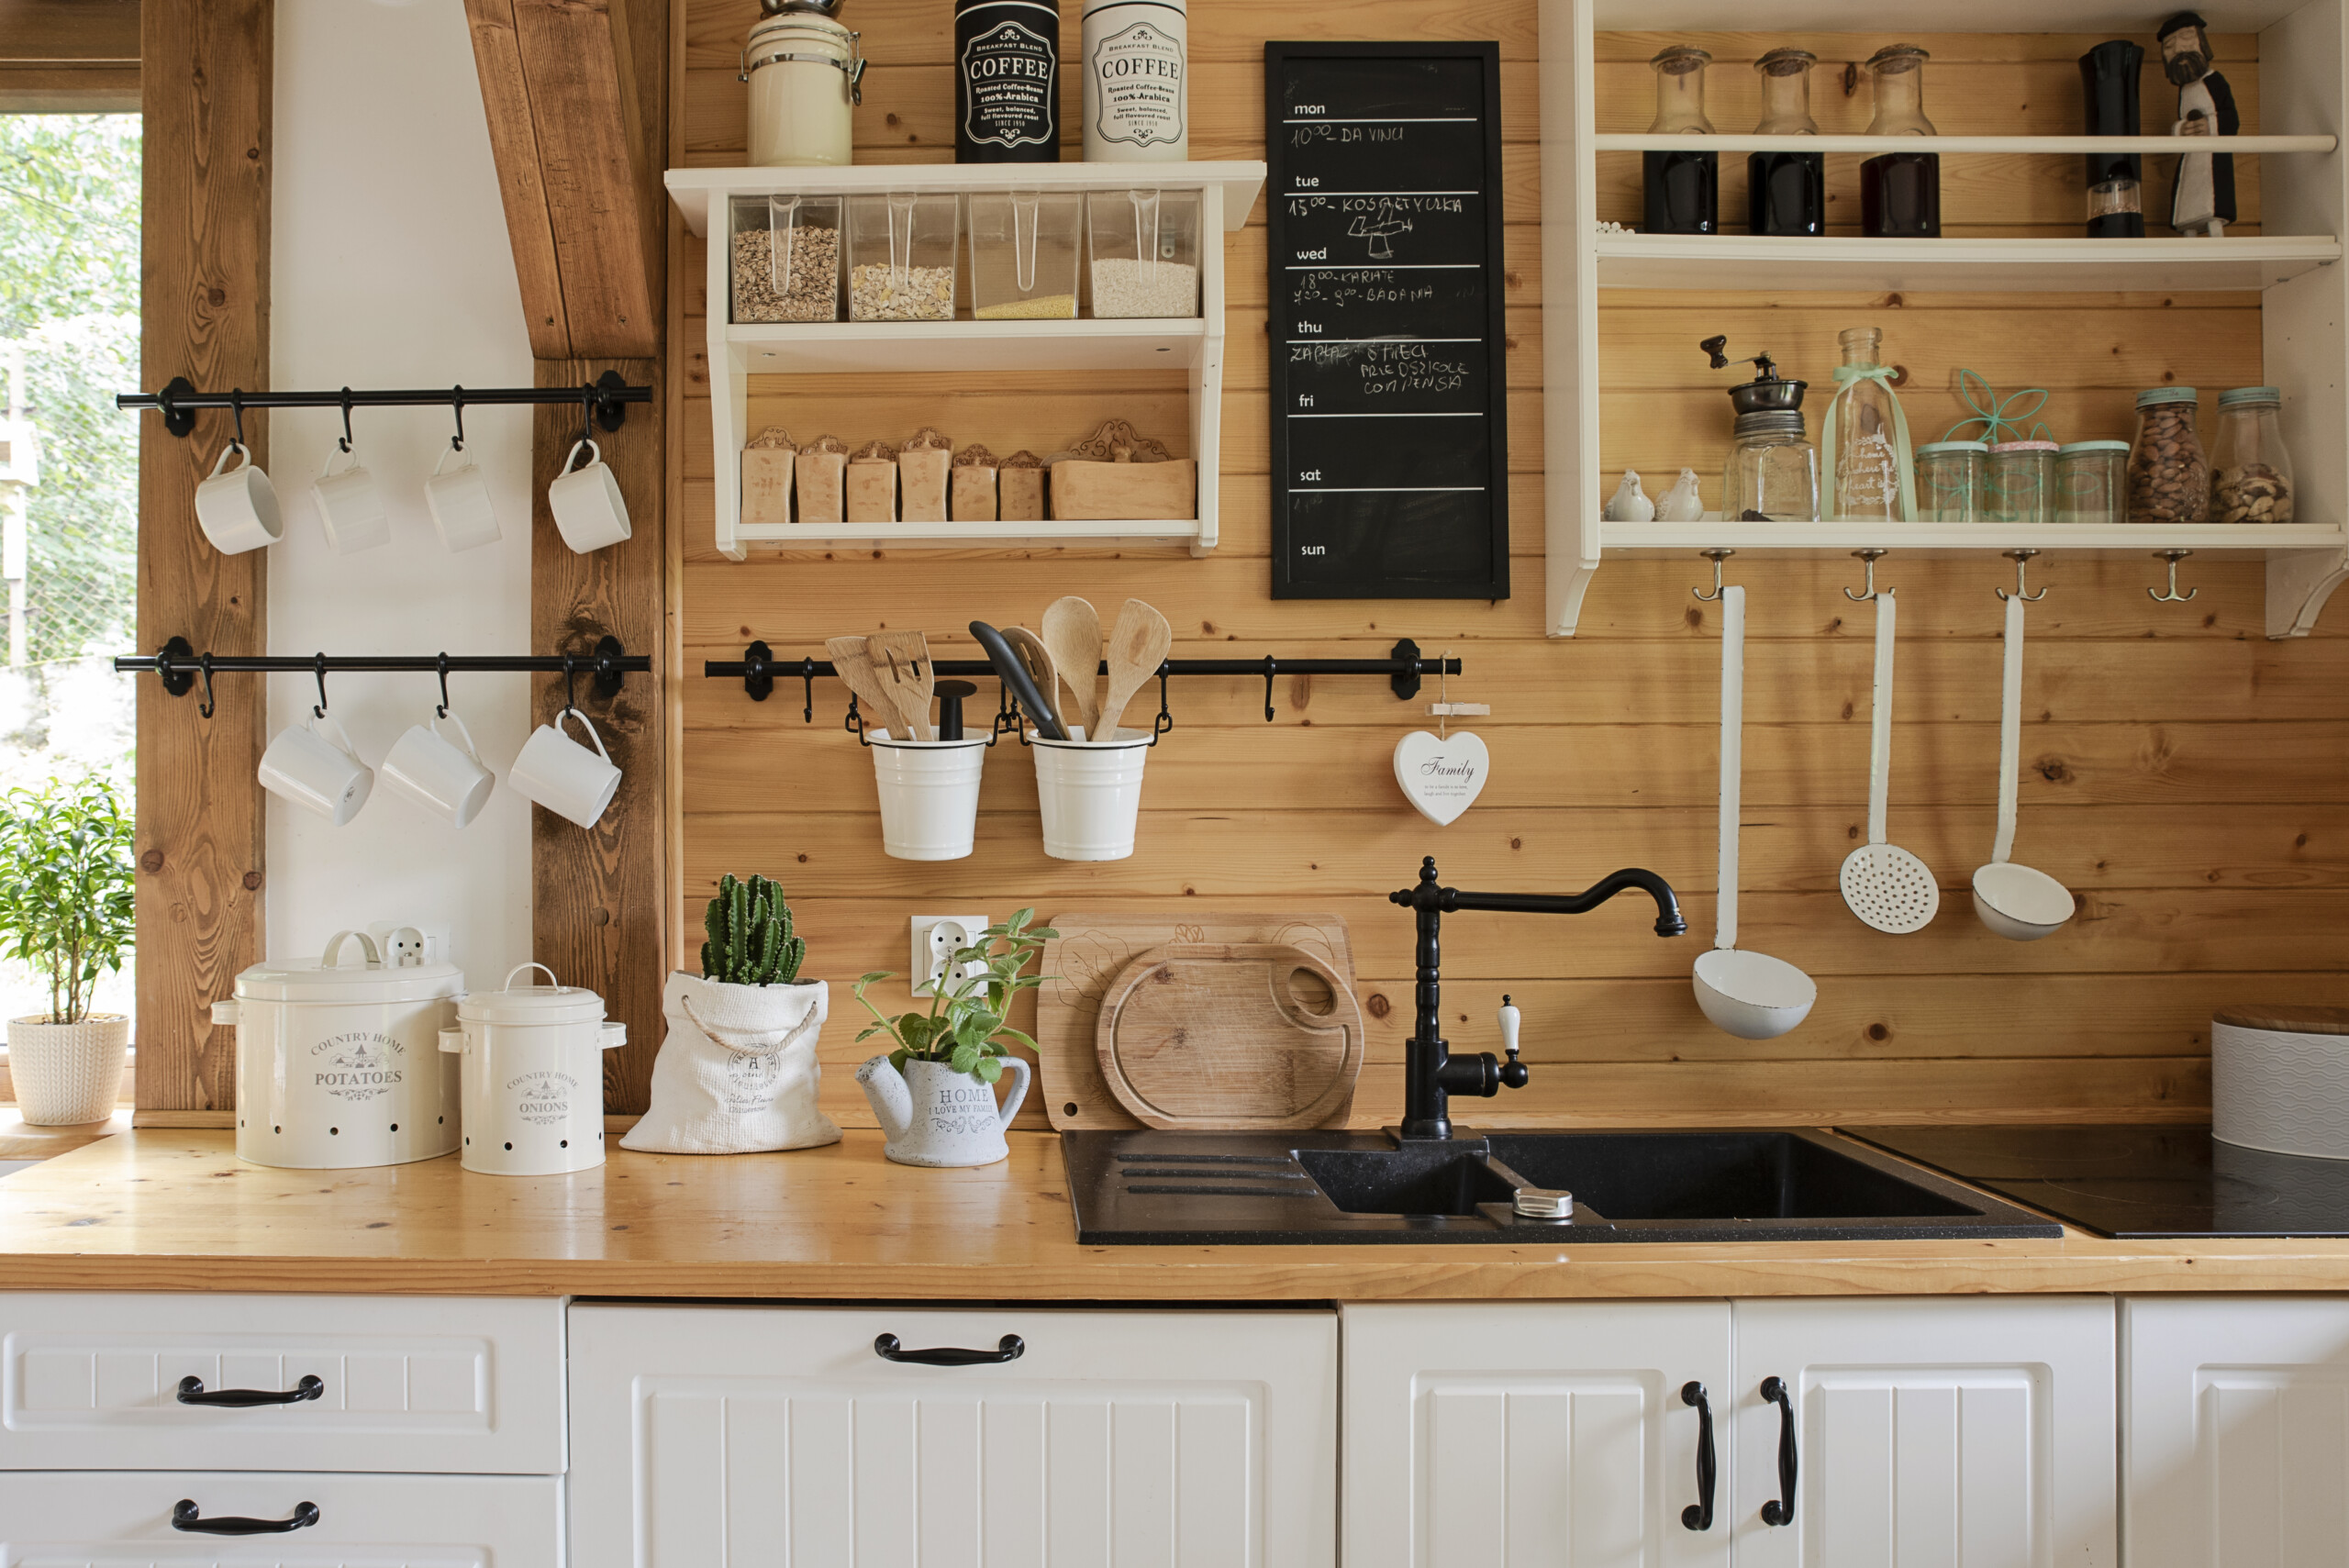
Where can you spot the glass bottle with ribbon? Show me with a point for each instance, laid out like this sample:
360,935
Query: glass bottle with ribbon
1870,474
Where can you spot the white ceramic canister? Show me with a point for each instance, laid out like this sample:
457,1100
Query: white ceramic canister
2279,1079
1136,82
533,1076
806,75
1090,794
339,1065
929,796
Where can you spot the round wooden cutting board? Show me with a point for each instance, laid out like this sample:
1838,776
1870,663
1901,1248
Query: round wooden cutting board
1202,1035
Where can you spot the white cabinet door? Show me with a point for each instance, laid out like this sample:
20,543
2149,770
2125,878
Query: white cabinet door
94,1519
1944,1432
1517,1435
465,1383
780,1436
2236,1435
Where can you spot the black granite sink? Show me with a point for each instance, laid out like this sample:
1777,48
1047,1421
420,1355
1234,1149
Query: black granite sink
1631,1186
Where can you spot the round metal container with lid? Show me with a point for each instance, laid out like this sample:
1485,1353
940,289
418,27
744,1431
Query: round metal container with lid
337,1065
807,77
533,1076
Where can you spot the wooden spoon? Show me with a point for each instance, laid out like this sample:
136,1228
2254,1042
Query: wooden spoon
901,662
1073,632
854,664
1138,645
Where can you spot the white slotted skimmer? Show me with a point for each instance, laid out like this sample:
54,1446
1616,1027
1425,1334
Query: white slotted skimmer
2021,903
1749,994
1885,886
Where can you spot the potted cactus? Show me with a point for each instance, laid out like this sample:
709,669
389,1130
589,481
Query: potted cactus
737,1071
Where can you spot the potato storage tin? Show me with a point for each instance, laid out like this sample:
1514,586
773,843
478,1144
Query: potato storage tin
533,1060
339,1065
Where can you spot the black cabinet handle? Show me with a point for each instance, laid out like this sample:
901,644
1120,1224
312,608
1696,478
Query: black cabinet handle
888,1350
187,1516
1699,1515
192,1393
1780,1510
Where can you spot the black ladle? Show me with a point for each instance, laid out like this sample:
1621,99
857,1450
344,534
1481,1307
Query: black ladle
1015,675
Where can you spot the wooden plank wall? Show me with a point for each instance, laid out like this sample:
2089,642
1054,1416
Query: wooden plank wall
2182,773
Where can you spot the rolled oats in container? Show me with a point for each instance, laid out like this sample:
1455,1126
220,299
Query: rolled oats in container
787,259
2169,479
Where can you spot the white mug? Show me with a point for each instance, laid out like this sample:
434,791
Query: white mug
588,510
238,508
433,771
459,504
565,777
315,773
350,504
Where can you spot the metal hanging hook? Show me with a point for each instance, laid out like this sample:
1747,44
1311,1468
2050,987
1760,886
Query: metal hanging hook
587,412
321,711
205,664
2021,557
345,442
1870,557
1716,555
570,690
1272,668
1165,719
2173,597
236,411
456,402
443,711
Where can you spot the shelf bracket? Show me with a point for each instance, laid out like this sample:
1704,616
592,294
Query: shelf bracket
2298,583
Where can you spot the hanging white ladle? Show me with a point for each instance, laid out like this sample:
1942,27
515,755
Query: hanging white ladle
1749,994
2021,903
1884,886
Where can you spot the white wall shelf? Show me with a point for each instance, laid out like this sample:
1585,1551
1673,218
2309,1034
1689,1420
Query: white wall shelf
1227,191
2295,263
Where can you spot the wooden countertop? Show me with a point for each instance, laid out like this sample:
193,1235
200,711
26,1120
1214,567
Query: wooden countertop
173,1209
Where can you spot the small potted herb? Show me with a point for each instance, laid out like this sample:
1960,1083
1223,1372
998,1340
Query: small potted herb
935,1093
66,910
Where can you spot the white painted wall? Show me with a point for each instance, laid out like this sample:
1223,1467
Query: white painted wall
391,268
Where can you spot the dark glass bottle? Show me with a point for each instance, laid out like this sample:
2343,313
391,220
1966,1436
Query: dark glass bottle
1786,192
1007,82
1680,192
2116,183
1900,193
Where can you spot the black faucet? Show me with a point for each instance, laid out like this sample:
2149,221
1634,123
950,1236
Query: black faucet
1432,1074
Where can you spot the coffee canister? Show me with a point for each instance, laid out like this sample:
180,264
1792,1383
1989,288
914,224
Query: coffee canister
1137,80
338,1065
1007,82
805,75
533,1075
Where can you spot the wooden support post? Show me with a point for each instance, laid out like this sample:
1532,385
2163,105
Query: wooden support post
206,96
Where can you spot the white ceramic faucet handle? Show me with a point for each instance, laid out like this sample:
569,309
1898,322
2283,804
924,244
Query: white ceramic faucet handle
1510,1018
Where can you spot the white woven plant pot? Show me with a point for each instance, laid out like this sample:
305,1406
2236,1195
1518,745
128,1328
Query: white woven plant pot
66,1073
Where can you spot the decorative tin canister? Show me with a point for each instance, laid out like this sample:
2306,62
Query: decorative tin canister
533,1076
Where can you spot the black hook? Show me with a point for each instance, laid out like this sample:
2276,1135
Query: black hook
1165,719
807,691
321,711
345,442
237,409
457,401
1272,668
443,711
570,690
854,722
205,664
587,412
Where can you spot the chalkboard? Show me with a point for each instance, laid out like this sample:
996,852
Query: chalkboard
1383,247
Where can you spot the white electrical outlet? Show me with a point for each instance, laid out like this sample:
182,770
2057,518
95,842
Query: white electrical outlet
404,952
936,939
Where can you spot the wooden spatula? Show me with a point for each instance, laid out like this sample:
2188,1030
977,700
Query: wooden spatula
854,662
1073,632
1138,645
901,662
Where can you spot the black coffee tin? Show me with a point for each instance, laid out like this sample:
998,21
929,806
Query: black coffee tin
1007,82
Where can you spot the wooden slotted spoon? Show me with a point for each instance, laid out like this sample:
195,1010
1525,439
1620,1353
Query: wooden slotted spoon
901,664
854,665
1138,645
1073,632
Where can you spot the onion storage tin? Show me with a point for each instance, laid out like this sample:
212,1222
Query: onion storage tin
533,1074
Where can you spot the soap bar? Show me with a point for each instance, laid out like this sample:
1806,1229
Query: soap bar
922,465
973,485
1020,488
821,468
873,484
766,477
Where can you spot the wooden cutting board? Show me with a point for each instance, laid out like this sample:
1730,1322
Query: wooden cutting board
1094,948
1230,1034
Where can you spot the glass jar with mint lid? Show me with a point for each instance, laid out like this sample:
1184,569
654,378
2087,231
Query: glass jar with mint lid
2169,479
1950,477
2251,475
2091,482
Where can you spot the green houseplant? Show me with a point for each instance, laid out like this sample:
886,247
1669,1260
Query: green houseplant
751,940
66,882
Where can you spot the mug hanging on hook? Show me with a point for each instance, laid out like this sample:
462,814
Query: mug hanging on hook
350,502
1443,775
458,497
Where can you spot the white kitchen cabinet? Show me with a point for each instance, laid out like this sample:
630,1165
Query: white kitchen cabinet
97,1519
2236,1432
1516,1435
780,1436
1942,1433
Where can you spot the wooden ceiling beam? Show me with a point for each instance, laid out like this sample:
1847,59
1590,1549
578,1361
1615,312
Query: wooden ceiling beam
559,85
60,56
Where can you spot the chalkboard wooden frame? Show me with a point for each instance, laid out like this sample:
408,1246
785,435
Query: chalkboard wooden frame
1372,583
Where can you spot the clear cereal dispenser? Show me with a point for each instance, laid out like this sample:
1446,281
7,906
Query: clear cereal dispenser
1023,254
787,263
1145,252
901,257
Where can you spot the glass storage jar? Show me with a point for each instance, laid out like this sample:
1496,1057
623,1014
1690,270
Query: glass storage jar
1145,252
1680,191
1900,193
1950,478
1786,192
2022,487
2169,479
1865,468
1772,475
2091,480
901,257
1023,253
786,259
2251,475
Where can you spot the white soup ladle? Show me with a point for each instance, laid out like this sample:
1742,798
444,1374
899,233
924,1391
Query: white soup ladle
2021,903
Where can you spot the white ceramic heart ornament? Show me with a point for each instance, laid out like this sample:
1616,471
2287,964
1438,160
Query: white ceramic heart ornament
1440,776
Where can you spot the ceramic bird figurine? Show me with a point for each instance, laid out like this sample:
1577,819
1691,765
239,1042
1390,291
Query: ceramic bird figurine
1629,503
1682,503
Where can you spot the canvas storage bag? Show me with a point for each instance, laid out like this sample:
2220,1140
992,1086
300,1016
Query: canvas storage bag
736,1072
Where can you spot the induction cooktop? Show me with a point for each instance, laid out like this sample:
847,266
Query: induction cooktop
2136,1182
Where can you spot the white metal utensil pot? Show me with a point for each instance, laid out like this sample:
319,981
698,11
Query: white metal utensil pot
339,1065
534,1071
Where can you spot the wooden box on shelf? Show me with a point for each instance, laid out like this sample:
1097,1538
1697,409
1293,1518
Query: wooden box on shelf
1116,474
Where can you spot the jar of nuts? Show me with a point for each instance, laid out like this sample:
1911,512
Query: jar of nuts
2169,479
2251,481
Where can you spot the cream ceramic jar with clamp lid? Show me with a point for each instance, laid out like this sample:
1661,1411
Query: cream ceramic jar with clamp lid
807,75
533,1076
338,1064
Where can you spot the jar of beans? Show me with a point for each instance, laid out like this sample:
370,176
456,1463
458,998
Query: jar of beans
2251,478
2169,479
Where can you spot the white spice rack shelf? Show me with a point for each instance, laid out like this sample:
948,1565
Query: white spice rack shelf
2040,266
1227,191
2053,146
1834,537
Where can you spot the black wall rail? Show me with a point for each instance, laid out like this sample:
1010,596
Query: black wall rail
759,668
180,666
607,398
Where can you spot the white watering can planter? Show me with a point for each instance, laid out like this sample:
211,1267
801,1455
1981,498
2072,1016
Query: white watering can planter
935,1116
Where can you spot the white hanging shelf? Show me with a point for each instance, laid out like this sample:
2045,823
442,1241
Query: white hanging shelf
1779,264
2057,146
